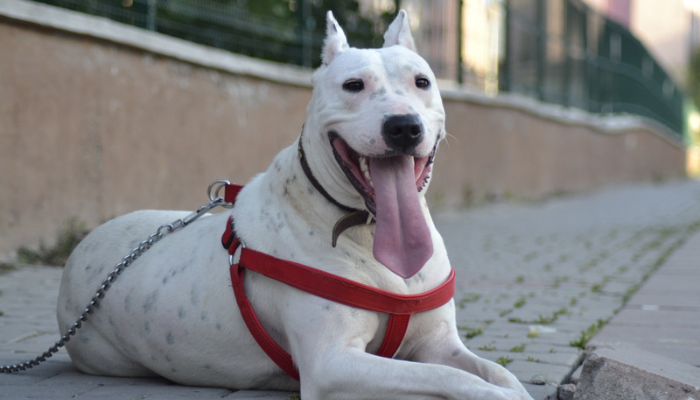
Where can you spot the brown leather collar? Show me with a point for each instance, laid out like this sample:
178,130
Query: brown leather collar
353,218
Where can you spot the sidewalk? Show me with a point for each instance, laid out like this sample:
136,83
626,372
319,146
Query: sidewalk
530,279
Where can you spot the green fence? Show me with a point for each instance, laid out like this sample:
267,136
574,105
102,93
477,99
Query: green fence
288,31
565,53
558,51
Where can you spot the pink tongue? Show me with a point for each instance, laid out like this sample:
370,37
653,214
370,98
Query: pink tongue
402,240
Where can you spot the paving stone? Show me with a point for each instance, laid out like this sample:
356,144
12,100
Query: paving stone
632,373
526,371
541,392
263,395
655,316
683,344
681,299
576,375
566,391
49,393
155,392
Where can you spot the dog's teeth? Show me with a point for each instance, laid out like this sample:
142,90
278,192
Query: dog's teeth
363,165
365,170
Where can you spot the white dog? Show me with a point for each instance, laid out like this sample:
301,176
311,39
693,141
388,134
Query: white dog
372,128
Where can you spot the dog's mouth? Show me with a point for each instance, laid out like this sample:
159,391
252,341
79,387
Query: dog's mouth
390,187
358,169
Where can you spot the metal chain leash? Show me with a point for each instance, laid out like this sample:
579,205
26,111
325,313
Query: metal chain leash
214,201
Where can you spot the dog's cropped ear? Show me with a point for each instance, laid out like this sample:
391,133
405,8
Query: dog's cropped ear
335,42
400,33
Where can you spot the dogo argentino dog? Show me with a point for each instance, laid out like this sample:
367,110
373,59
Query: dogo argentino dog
366,151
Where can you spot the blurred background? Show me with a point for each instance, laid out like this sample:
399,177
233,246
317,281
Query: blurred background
603,56
113,105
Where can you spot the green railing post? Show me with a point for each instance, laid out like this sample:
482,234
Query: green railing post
541,48
504,70
151,16
460,33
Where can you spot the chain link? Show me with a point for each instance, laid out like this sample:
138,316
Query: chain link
214,201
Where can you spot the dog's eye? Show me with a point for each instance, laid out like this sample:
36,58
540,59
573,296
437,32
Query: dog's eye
422,83
353,85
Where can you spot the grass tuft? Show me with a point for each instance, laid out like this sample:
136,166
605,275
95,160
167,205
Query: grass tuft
73,232
505,360
587,335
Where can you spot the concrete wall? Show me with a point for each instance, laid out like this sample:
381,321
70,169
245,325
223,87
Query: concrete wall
505,147
99,119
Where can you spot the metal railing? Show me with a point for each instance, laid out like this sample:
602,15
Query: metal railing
287,31
565,53
558,51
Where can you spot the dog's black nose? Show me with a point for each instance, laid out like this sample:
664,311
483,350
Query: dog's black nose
402,133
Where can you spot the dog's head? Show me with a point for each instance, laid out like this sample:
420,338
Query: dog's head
373,124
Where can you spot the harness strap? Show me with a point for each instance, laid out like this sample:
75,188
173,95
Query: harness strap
330,287
345,291
264,340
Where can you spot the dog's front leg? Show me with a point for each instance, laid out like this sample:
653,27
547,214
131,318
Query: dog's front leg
328,346
353,374
440,344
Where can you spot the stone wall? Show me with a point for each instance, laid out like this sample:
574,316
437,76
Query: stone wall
98,119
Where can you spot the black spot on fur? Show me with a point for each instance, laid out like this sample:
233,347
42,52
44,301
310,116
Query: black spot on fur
380,92
194,296
169,339
150,301
127,303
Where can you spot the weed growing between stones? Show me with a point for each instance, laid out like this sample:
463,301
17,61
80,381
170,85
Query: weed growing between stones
473,332
588,334
73,232
518,349
505,360
468,298
541,319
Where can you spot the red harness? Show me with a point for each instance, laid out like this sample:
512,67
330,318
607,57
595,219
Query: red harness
325,285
